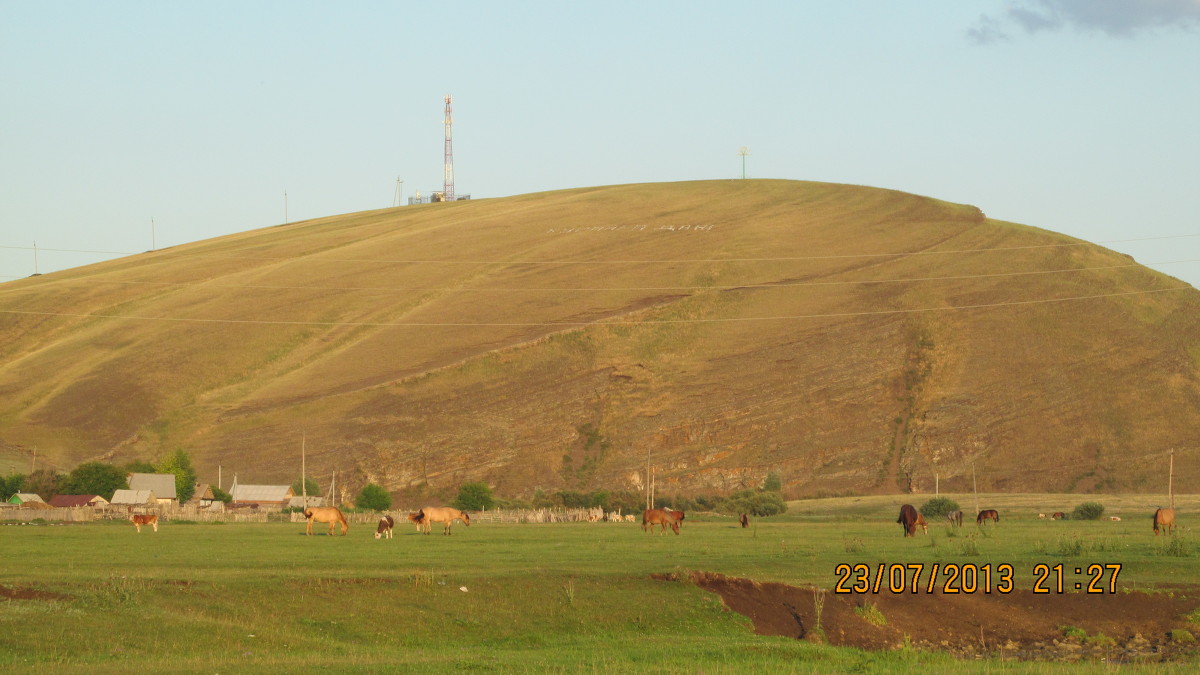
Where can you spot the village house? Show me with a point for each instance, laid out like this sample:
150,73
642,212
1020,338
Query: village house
162,484
134,498
23,498
76,501
261,496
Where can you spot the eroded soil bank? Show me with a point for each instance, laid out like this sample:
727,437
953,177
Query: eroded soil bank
1121,627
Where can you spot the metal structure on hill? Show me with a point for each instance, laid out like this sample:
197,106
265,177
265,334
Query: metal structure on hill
448,170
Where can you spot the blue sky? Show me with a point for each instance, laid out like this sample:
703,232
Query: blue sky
1078,116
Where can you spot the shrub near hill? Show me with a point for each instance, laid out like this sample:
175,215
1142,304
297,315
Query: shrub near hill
938,507
1088,511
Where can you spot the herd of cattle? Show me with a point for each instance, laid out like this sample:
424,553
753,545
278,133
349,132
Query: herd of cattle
911,519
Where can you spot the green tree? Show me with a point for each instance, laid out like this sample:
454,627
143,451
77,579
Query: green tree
11,485
43,483
474,497
373,497
314,490
221,495
772,483
140,466
95,478
180,464
754,503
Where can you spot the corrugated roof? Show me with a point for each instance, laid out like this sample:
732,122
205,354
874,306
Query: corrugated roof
22,497
163,484
132,497
261,493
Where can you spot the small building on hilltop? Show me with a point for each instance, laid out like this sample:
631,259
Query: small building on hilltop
162,484
261,496
76,501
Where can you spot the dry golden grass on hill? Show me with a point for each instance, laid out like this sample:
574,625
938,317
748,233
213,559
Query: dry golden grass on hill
851,339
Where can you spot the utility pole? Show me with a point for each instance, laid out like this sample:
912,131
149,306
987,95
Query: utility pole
285,213
35,260
1171,481
975,487
744,151
303,472
154,244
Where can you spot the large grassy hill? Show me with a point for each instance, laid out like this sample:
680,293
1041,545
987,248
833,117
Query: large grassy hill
851,339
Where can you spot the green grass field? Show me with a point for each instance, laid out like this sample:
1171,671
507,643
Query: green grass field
218,598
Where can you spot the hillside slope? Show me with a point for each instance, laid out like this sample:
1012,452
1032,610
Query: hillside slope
851,339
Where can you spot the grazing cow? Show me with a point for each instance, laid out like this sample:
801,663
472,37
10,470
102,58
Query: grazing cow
1059,515
988,514
955,517
1115,519
630,518
442,514
385,527
152,520
745,521
908,519
1165,519
326,514
664,518
1041,516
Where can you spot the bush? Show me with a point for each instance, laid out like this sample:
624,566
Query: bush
754,503
373,497
938,507
1088,511
474,497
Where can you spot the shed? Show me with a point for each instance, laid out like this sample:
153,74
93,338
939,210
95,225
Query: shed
25,498
261,495
134,498
75,501
162,484
203,495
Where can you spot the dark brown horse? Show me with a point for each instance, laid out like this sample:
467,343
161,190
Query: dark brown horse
745,521
664,518
988,514
910,519
1164,519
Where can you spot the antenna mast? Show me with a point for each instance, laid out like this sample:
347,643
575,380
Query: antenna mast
448,177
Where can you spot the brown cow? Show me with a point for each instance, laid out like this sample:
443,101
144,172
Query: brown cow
908,518
385,527
152,520
988,514
1059,515
664,518
1165,519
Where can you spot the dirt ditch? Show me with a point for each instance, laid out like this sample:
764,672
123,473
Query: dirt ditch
1122,627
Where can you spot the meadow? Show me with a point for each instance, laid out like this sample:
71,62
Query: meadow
578,597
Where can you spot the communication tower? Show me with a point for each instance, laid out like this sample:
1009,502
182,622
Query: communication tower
448,176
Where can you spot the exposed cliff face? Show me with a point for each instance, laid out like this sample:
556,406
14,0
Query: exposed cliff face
850,339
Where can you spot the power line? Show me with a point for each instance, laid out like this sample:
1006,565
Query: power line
422,324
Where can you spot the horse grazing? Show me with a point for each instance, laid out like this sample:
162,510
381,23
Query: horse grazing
416,518
442,514
152,520
1165,519
326,514
664,518
745,520
909,518
385,527
988,514
955,517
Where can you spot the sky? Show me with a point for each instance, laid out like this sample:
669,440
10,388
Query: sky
126,126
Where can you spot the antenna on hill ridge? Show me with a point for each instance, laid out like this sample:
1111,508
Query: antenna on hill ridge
744,152
448,172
